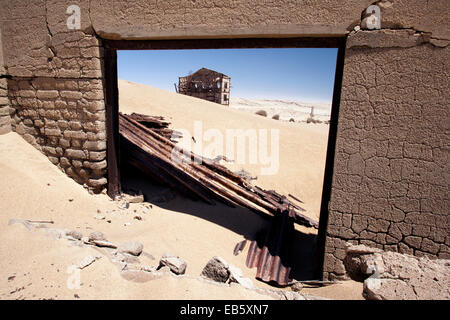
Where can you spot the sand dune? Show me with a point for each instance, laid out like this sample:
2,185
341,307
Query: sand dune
286,109
302,147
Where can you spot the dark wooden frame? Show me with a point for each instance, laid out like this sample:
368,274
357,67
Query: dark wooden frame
112,122
112,104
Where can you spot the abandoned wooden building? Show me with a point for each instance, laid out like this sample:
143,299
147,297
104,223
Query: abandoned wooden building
206,84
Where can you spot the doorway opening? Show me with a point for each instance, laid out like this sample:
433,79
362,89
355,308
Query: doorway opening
255,100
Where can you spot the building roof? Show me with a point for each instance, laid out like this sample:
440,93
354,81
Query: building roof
205,75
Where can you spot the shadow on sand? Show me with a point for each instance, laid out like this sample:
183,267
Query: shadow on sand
239,220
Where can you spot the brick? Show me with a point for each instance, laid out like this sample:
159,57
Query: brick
4,111
62,124
52,132
47,94
4,101
95,145
65,163
75,134
95,105
75,125
93,95
75,154
74,95
77,163
95,165
97,156
96,183
64,143
27,93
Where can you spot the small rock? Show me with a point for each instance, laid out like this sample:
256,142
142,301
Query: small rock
216,269
297,287
237,277
104,243
289,295
164,269
74,234
85,240
99,217
96,235
125,257
76,296
148,269
137,217
126,224
136,199
124,205
175,264
134,248
55,233
88,260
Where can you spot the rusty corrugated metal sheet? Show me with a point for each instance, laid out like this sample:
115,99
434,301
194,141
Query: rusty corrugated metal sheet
270,253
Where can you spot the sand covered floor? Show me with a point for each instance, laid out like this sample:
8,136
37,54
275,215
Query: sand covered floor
35,265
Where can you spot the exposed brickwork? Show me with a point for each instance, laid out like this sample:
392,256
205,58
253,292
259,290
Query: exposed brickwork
5,119
390,186
65,119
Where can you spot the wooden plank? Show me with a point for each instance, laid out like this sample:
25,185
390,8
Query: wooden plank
112,122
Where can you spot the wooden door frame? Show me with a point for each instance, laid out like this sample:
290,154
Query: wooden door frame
112,104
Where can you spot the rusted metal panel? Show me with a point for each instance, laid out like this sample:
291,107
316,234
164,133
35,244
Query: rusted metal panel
270,253
206,180
239,247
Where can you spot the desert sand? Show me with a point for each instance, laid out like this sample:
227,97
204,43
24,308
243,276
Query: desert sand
302,147
34,265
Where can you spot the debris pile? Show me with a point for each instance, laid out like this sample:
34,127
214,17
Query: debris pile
148,143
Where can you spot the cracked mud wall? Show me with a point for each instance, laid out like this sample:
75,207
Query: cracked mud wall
390,184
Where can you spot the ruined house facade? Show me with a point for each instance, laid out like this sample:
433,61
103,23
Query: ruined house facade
388,183
206,84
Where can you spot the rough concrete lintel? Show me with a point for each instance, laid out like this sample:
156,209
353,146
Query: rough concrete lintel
276,31
392,38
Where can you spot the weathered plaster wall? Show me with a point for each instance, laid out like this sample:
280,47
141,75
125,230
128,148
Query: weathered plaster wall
390,185
56,88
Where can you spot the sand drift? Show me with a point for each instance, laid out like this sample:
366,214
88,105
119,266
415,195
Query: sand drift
146,142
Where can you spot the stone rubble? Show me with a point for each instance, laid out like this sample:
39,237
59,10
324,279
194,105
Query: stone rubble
217,269
88,260
394,276
176,265
131,247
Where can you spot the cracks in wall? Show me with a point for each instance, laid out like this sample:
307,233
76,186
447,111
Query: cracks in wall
412,37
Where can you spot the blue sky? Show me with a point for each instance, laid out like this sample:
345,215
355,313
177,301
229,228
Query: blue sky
294,74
